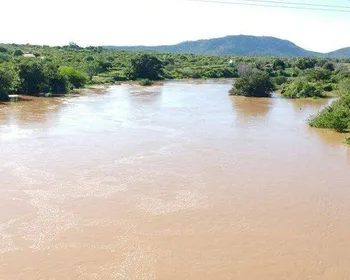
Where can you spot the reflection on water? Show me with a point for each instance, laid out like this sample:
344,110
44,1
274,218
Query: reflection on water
178,181
145,95
314,104
248,108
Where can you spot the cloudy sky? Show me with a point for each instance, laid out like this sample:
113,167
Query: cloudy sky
153,22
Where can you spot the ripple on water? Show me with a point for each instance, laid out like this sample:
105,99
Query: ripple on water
183,200
12,132
137,264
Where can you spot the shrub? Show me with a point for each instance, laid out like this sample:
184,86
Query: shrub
146,82
257,84
279,64
347,140
8,79
18,53
329,66
301,88
306,63
328,87
280,80
145,66
336,116
76,78
37,77
318,75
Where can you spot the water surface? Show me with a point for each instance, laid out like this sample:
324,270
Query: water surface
179,181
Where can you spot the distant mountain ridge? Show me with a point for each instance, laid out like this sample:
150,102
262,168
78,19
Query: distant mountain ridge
239,45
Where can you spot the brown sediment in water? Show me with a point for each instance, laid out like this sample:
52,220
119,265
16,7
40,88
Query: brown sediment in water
175,182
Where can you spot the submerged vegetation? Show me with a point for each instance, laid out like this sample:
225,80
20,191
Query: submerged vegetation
255,84
336,116
146,82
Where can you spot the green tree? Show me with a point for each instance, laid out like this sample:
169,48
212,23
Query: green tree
18,53
301,88
37,77
145,66
336,116
92,69
76,78
54,81
256,84
306,63
8,79
279,64
32,78
329,66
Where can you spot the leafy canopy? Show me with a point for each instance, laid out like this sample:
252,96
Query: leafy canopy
256,84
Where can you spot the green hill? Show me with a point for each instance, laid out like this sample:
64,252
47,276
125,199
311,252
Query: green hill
238,45
342,53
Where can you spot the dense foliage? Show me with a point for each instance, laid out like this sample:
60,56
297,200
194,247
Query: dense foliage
146,82
8,79
256,84
41,69
301,88
336,116
144,66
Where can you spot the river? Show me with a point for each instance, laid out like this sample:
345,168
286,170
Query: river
178,181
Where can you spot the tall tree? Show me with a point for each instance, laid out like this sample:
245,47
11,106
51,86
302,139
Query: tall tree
145,66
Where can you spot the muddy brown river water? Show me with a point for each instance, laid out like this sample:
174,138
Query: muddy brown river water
179,181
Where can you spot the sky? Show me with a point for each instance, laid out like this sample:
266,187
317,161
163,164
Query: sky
161,22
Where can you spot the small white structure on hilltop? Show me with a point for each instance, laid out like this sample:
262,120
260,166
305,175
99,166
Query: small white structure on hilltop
29,55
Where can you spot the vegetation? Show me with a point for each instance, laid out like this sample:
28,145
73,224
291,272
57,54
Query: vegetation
336,116
241,45
43,69
76,78
301,88
144,66
256,84
8,79
146,82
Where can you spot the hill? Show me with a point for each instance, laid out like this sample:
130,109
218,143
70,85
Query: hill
342,53
238,45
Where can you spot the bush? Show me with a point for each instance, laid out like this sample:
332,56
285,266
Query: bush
301,88
76,78
280,80
328,87
279,64
146,82
329,66
8,79
18,53
336,116
318,75
145,66
306,63
35,77
347,140
257,84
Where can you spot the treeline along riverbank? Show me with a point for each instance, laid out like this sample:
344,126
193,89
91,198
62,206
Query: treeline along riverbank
34,70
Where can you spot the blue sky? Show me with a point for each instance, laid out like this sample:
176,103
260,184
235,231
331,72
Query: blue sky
153,22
